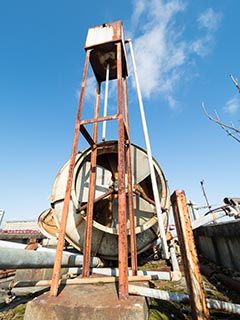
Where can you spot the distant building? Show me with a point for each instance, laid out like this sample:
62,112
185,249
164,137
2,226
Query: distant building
20,231
24,226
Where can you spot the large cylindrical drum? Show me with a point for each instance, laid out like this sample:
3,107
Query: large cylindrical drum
105,212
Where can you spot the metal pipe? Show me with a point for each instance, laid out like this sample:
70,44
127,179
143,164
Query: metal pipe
14,245
77,281
174,260
224,306
122,212
176,273
157,275
114,272
181,297
227,281
30,259
211,217
206,219
105,104
149,152
65,210
205,195
91,192
133,241
158,294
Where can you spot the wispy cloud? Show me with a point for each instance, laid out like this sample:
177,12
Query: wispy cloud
90,91
210,19
160,47
232,105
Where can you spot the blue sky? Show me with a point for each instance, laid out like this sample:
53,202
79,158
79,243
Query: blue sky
184,52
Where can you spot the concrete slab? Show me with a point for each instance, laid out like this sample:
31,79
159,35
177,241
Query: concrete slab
91,301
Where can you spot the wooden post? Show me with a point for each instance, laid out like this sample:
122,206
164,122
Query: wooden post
189,257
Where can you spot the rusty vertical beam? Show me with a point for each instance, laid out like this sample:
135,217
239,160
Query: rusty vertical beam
91,192
130,186
189,256
62,230
122,221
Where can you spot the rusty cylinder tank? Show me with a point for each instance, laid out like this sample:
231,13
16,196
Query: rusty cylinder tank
105,215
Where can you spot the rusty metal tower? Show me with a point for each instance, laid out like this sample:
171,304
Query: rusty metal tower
105,51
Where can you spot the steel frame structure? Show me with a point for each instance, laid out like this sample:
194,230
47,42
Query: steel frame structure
124,167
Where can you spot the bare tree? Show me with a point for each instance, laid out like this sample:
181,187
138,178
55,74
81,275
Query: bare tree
229,129
235,81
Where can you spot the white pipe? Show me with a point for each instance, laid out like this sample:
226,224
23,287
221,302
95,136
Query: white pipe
180,297
174,260
151,167
114,272
13,245
28,259
16,245
105,104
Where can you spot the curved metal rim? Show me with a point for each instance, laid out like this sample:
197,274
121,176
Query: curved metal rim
138,229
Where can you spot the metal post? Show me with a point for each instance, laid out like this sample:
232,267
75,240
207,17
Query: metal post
193,212
149,152
105,104
62,230
122,223
189,256
130,187
91,192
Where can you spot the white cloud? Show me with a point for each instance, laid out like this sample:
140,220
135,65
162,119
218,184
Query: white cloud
91,87
232,105
90,91
162,53
158,51
210,20
203,46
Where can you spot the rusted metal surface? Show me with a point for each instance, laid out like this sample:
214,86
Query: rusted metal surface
7,273
62,231
86,135
106,194
100,179
189,256
100,119
130,188
91,193
223,278
122,212
102,40
146,226
107,32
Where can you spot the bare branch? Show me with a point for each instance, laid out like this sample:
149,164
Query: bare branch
235,81
231,130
